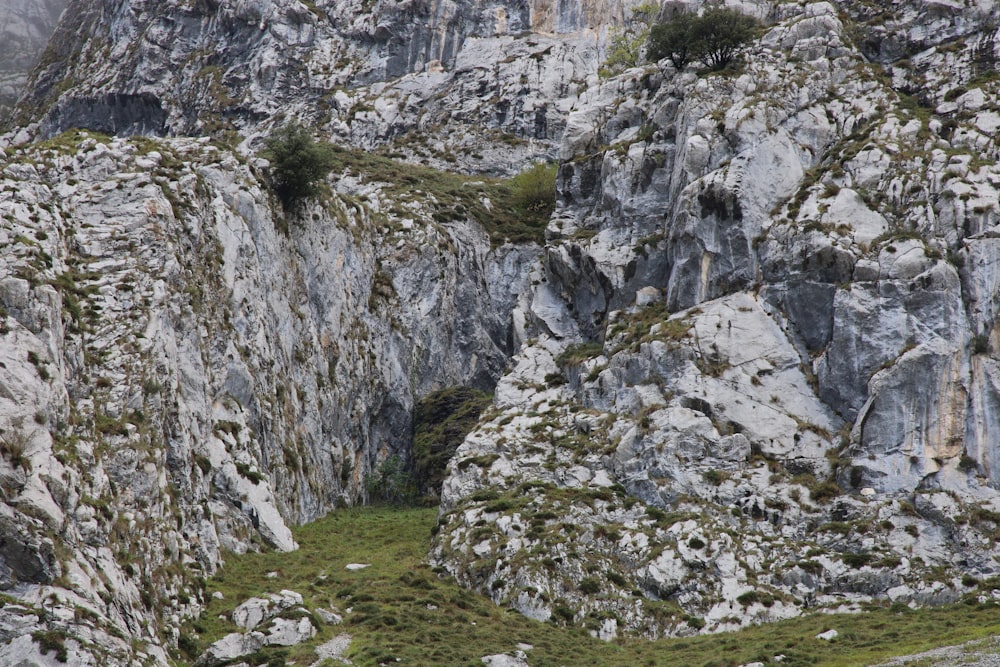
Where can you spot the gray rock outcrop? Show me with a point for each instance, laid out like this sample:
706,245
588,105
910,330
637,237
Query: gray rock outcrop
758,316
483,85
180,377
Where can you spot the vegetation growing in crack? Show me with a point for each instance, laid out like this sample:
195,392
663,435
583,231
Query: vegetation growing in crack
627,42
298,164
515,210
442,419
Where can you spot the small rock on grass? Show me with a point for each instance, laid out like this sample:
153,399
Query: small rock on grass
517,659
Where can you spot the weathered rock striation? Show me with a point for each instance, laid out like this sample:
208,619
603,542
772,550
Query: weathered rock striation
182,378
450,78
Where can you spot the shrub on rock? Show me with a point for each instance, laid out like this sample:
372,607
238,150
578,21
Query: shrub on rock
298,164
715,38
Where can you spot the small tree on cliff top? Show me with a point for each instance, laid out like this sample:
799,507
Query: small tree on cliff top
298,164
714,38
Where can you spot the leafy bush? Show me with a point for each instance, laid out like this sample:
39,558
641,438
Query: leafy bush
674,39
723,34
696,543
391,483
298,164
533,192
715,38
188,646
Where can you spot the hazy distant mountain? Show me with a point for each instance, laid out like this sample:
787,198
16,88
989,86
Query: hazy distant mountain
25,27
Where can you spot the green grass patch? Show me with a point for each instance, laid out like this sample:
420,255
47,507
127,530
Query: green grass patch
442,419
403,610
518,210
577,353
635,328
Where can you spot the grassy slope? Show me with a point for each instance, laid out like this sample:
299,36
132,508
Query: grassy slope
401,609
519,207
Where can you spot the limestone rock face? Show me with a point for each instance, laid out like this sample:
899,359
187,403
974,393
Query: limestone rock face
454,76
765,311
181,377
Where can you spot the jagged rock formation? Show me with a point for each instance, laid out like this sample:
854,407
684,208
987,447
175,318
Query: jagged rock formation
25,27
185,377
812,423
753,369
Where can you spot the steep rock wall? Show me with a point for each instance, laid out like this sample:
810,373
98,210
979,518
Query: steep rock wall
181,378
763,323
183,68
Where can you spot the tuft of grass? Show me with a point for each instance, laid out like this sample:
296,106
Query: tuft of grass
50,641
577,353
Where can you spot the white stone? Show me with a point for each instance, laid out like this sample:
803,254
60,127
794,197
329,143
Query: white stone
329,617
231,647
249,614
647,296
828,635
505,660
334,649
288,632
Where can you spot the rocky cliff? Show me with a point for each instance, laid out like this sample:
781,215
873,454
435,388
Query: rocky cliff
182,377
187,368
752,370
445,79
763,365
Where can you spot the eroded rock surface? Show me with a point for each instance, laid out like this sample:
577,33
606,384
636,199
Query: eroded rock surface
180,377
753,370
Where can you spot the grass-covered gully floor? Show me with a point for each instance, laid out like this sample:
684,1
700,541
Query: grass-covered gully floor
401,612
